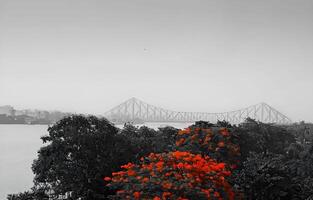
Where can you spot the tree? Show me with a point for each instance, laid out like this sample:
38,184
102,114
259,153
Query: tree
21,196
173,175
33,194
216,142
259,137
273,176
165,139
79,152
146,140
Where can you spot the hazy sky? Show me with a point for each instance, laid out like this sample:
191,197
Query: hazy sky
195,55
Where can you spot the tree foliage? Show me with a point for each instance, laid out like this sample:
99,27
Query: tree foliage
217,142
173,175
79,152
259,137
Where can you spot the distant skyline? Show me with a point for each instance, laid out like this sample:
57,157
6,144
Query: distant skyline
201,55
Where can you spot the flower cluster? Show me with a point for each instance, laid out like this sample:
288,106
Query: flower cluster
218,143
173,175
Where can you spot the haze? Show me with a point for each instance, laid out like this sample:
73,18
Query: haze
211,56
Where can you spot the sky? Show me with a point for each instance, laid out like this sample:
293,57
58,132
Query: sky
184,55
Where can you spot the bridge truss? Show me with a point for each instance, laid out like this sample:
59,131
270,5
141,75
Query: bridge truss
137,110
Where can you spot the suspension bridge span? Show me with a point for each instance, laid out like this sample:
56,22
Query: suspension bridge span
134,110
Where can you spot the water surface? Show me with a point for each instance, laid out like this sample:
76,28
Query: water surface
18,148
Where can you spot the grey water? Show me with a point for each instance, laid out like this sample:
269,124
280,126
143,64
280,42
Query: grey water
18,148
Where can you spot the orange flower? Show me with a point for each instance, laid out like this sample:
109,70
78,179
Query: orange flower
180,141
167,174
167,185
156,198
131,173
148,167
188,167
221,165
180,165
159,165
187,159
128,166
145,180
179,154
166,194
182,132
136,195
107,178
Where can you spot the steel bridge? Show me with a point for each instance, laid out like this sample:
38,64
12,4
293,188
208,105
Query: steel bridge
134,110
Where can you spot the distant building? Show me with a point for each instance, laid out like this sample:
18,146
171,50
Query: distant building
7,110
20,112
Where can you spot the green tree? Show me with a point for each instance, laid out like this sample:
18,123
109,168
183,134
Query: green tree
264,138
146,140
80,151
33,194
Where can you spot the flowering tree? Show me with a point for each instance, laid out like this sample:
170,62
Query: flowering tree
216,142
173,175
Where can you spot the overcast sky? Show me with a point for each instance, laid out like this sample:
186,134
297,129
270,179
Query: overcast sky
196,55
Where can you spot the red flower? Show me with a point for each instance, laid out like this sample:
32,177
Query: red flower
180,165
131,173
136,195
127,166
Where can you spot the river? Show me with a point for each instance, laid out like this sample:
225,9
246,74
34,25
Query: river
18,148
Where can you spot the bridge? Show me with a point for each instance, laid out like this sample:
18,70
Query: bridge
135,110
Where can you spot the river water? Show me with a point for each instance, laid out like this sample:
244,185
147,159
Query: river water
18,148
